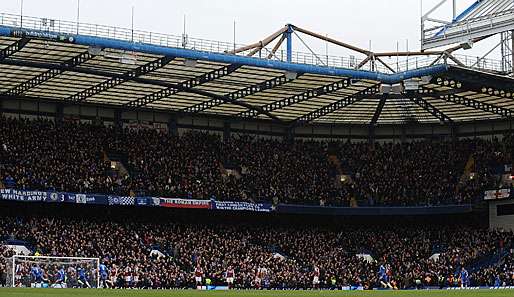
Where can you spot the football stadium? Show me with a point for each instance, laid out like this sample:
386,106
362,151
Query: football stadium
285,162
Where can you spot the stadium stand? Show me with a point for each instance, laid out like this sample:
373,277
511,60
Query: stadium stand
140,160
68,157
288,254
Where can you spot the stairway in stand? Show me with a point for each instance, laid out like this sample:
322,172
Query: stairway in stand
334,160
468,169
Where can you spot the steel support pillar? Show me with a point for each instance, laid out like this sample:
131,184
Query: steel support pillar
371,134
226,131
118,123
510,127
455,131
59,114
289,43
172,126
289,134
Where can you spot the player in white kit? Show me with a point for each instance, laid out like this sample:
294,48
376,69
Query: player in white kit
315,278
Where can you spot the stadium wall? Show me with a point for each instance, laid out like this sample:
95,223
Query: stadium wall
501,214
106,115
275,218
214,205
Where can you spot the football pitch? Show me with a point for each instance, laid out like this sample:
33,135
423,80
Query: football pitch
18,292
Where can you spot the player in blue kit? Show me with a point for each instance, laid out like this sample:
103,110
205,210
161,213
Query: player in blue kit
497,281
36,273
382,276
104,276
60,279
464,278
82,280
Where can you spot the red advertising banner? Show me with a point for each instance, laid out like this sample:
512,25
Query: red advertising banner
185,203
497,194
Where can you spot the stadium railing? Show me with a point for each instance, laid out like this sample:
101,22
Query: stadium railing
177,41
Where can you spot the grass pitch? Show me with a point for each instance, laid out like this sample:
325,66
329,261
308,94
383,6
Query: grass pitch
19,292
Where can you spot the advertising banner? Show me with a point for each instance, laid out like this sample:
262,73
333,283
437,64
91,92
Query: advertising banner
51,197
248,206
185,203
497,194
23,195
121,200
114,200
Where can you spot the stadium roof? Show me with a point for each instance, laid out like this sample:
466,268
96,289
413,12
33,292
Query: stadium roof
39,62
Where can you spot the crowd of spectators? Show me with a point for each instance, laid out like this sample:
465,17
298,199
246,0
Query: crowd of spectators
289,255
498,275
43,155
428,172
40,155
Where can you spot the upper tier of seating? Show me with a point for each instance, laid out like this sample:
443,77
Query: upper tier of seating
41,155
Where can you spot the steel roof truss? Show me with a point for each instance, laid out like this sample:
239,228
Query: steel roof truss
323,90
429,107
47,75
13,48
248,91
348,100
379,109
452,98
188,84
114,81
